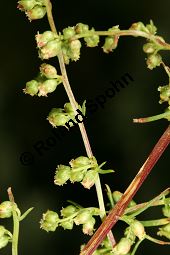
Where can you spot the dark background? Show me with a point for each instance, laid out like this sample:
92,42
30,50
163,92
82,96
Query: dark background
114,137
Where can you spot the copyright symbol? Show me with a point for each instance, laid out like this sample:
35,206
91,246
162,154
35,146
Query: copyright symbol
27,158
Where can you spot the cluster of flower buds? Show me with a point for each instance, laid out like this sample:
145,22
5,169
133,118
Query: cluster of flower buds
34,9
164,231
70,215
5,209
5,236
164,94
45,83
149,28
111,42
81,169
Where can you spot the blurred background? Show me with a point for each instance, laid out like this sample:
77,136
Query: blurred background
114,137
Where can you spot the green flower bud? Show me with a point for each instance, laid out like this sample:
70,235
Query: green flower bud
117,196
130,234
26,5
67,224
57,118
164,231
151,28
81,28
76,176
164,93
74,52
50,50
4,241
138,229
166,211
38,12
68,211
65,51
48,71
82,217
110,44
68,33
88,227
68,108
62,175
6,209
49,221
31,88
47,86
153,61
149,48
89,178
123,247
80,161
93,40
43,39
139,26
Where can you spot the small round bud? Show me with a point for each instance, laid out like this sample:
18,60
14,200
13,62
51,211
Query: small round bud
67,224
48,71
88,227
138,229
6,209
26,5
93,40
68,33
117,195
47,86
68,108
138,26
68,211
62,175
166,211
49,221
164,93
43,39
151,28
66,52
89,179
74,52
81,28
38,12
82,217
76,176
80,161
153,61
123,247
31,88
110,44
164,231
149,48
4,241
50,50
57,118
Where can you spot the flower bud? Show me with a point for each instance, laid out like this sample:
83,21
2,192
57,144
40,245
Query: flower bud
48,71
68,33
164,231
67,224
149,48
38,12
43,39
6,209
117,195
93,40
139,26
65,51
26,5
123,247
49,221
82,217
68,211
164,93
151,28
74,52
4,241
47,86
50,50
88,227
62,175
138,229
110,44
89,178
57,118
153,61
31,88
68,108
166,211
81,28
80,161
76,176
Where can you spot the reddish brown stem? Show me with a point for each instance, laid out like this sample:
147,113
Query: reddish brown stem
120,207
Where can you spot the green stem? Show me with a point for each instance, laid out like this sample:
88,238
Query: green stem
153,118
81,125
155,223
136,246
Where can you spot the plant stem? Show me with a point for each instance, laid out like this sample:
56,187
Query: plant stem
121,205
81,125
15,224
155,223
153,118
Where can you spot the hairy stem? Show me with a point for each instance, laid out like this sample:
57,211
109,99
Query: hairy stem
81,125
120,207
